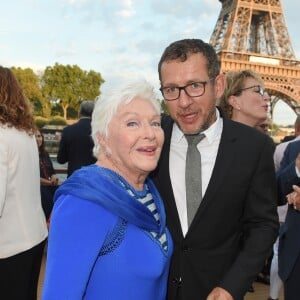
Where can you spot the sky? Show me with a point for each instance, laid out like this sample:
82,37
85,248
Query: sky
118,38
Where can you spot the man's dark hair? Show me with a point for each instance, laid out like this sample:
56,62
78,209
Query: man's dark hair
180,50
86,108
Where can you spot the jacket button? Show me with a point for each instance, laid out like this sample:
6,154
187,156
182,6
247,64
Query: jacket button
176,281
185,247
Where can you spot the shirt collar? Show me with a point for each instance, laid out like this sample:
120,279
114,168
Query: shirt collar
211,133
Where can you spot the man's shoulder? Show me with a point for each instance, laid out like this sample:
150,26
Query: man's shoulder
72,126
280,147
242,129
67,129
166,122
165,118
246,135
293,145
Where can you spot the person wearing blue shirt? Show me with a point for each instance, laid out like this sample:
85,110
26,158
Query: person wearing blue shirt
108,237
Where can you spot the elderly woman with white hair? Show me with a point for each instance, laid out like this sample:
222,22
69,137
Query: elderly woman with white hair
108,237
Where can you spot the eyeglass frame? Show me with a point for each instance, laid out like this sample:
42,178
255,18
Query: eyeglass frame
180,88
261,90
264,126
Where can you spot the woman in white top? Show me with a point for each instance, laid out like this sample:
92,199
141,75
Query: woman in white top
23,227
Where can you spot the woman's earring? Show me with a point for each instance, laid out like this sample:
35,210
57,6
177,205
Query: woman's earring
107,153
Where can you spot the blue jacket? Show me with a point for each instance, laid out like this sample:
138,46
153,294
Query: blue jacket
100,245
289,237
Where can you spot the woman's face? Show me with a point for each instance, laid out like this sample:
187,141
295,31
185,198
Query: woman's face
39,138
252,104
135,139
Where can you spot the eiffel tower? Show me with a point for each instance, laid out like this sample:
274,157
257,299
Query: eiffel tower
252,34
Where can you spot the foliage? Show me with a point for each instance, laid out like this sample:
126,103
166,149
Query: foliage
57,120
60,90
72,113
164,107
40,122
68,86
29,82
274,129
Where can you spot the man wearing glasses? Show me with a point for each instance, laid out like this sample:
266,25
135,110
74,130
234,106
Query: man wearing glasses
221,242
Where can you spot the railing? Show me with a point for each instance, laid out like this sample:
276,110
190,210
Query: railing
61,174
60,170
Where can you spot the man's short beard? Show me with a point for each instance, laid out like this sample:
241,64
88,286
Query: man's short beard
209,120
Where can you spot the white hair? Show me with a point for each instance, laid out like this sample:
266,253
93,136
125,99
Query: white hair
107,104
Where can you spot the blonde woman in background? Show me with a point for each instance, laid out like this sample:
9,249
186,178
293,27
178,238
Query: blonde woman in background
245,99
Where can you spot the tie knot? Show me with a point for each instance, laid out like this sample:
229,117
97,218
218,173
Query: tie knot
194,139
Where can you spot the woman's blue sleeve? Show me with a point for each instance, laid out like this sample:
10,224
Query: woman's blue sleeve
77,230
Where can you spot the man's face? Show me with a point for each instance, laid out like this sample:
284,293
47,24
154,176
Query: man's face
192,114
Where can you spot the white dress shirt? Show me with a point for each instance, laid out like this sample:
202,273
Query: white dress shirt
208,148
22,220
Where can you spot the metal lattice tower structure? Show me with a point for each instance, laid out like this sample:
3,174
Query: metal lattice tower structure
252,34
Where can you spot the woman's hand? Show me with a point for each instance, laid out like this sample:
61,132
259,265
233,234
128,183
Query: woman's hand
54,180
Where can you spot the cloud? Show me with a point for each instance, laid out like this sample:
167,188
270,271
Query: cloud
127,9
185,9
65,51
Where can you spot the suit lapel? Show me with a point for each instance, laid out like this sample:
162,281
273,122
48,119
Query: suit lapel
163,175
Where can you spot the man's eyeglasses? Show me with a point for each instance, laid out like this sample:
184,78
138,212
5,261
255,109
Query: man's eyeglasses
264,126
194,89
258,89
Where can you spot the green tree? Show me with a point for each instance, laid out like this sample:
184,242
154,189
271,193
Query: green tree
164,107
274,129
30,84
70,85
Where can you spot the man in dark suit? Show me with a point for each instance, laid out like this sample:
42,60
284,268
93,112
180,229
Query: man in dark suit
220,253
289,238
76,144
